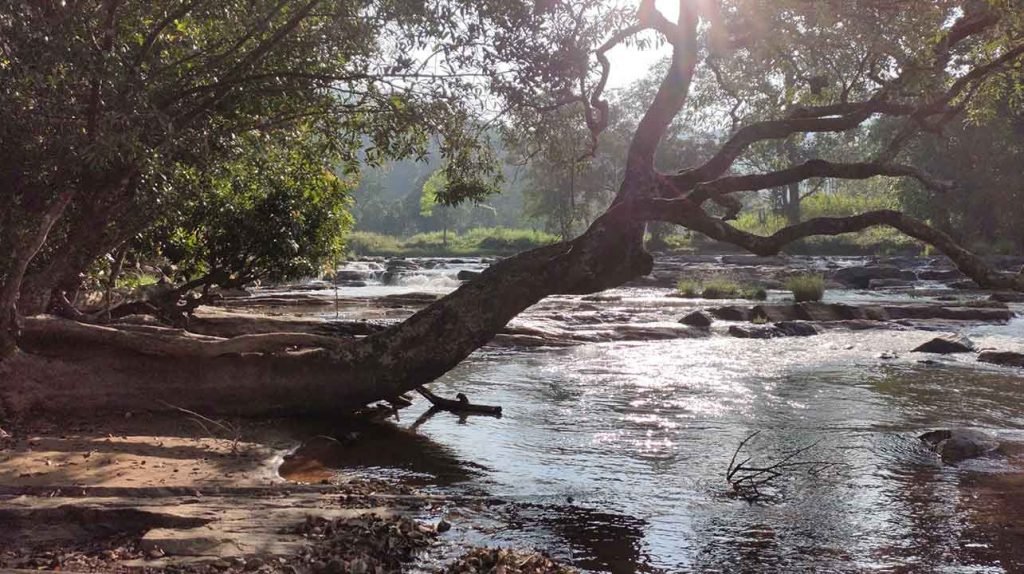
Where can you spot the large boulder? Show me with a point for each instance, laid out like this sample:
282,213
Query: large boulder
947,344
1003,358
861,276
955,445
467,275
697,319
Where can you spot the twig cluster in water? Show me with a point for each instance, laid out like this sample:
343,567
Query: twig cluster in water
747,479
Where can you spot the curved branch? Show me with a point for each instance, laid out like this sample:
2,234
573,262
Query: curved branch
689,215
809,169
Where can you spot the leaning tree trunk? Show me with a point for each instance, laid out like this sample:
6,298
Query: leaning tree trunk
75,368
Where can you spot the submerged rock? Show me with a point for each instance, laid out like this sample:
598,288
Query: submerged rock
1004,358
947,344
955,445
697,319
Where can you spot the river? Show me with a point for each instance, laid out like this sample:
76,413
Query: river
613,456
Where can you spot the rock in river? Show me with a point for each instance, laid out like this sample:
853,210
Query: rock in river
955,445
860,277
946,345
1004,358
697,319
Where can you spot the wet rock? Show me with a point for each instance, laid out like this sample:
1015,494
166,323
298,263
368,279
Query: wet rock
950,313
782,329
796,329
730,313
955,445
403,264
467,275
1007,297
625,332
443,526
940,275
603,298
697,319
966,284
1003,358
345,275
408,299
754,260
861,276
947,344
775,313
889,283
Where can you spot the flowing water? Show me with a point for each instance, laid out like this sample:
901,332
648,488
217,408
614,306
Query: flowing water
613,456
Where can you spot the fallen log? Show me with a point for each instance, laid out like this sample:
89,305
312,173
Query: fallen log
459,406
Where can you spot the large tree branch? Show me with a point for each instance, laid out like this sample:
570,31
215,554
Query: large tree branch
807,170
674,88
689,215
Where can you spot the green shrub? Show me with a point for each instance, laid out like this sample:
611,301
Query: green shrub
689,288
721,288
808,287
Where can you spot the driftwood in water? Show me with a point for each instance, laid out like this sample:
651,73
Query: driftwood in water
459,406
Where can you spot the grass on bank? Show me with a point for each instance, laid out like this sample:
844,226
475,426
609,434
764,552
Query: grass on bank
720,288
806,287
479,241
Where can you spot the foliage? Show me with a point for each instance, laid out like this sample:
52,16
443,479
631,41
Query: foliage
478,241
983,159
275,212
689,288
806,287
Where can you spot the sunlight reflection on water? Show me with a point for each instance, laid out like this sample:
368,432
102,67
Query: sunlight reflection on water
639,434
